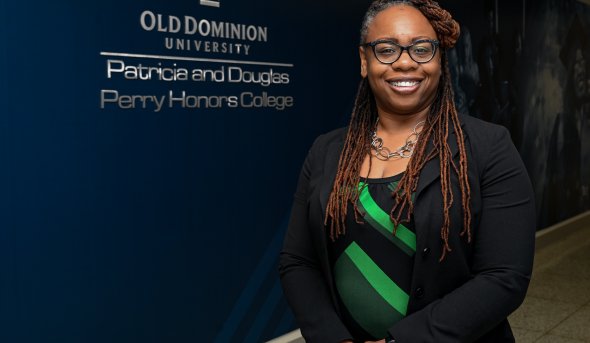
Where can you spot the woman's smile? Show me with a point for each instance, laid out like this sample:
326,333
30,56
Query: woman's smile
404,86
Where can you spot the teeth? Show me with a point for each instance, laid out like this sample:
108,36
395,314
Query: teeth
404,83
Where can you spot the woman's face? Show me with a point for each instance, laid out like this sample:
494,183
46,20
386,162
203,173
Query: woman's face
404,87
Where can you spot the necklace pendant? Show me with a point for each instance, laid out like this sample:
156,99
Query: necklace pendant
405,151
377,142
381,157
383,154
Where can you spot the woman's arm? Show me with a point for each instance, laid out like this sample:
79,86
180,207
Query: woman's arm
502,260
303,283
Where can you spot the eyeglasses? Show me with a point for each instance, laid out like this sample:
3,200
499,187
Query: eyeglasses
387,51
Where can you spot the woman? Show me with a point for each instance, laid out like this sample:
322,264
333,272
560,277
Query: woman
383,247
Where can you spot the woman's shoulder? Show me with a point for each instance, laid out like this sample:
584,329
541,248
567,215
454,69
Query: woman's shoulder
336,136
482,132
490,144
481,126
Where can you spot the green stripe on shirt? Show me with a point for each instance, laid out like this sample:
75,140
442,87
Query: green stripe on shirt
388,289
377,215
364,304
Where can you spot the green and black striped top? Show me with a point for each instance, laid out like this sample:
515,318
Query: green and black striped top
372,267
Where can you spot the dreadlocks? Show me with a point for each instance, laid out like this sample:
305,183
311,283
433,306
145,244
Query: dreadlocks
442,115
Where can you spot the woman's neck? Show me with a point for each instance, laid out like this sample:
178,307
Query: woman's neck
395,123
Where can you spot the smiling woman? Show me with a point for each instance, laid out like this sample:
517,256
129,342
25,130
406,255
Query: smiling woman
423,229
400,84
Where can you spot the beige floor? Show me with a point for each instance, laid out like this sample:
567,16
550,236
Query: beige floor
557,306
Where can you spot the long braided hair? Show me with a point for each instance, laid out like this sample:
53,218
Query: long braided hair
442,115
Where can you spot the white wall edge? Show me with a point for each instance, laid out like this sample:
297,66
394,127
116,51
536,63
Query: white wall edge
291,337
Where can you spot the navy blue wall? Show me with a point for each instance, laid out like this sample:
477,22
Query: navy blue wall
129,225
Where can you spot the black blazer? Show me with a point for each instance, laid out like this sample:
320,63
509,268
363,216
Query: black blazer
466,297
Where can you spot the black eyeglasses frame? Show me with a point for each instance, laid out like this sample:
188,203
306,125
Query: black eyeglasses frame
403,48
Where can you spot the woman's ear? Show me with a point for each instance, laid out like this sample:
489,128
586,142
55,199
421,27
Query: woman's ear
363,60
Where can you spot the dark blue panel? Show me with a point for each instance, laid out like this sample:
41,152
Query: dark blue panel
121,225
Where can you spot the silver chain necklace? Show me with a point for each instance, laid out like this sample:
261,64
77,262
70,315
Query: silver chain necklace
405,151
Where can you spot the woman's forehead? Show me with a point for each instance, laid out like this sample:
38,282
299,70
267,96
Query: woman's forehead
400,23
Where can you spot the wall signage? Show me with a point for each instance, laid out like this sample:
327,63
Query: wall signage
199,53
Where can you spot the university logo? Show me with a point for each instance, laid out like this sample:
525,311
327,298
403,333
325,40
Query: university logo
210,3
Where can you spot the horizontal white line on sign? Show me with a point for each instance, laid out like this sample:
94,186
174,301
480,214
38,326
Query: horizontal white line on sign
210,3
194,59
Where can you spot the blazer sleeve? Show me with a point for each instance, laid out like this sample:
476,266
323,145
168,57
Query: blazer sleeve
303,282
502,256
